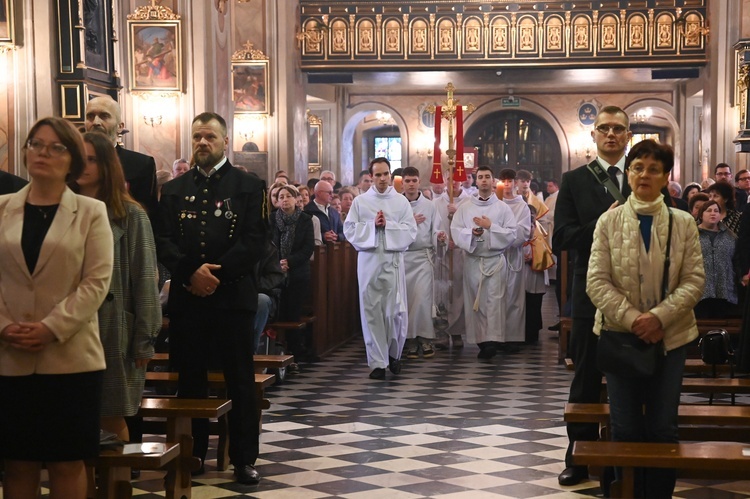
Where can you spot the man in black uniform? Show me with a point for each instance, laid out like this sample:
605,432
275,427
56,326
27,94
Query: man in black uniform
103,115
210,235
580,203
10,183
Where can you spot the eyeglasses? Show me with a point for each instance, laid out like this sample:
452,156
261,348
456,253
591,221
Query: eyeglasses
37,146
616,129
640,170
742,179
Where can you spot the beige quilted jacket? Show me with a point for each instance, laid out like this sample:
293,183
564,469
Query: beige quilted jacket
613,278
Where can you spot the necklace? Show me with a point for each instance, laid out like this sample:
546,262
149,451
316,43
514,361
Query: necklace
46,211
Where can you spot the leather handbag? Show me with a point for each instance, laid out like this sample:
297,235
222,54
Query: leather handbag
626,355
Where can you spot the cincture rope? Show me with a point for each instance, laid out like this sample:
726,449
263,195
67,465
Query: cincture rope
486,273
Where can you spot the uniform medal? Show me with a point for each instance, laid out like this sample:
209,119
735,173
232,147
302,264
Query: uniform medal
217,213
228,214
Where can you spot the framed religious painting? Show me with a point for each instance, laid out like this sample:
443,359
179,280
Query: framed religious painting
155,55
470,159
7,29
250,87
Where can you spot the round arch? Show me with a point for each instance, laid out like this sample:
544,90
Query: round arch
532,107
664,111
352,118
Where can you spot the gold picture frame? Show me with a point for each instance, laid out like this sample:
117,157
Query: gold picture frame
155,49
7,27
250,87
314,142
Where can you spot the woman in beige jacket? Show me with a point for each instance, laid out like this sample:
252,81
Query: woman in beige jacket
624,282
56,266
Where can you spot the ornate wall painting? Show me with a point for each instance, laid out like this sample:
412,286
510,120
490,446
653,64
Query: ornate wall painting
155,55
6,21
250,86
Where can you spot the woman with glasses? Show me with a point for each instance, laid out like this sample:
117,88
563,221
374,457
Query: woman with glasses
130,317
636,293
724,195
57,265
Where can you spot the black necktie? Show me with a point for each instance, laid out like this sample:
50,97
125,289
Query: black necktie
612,171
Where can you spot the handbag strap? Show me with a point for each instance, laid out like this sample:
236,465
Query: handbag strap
665,277
603,178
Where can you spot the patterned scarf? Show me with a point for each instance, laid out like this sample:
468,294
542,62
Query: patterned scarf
286,225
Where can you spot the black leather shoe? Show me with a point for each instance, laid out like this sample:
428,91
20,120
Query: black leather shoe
555,327
395,366
573,475
487,352
247,475
377,373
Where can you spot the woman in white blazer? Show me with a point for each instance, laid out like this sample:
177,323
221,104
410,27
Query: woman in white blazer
55,270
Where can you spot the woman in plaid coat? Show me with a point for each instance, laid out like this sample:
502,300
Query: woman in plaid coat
130,317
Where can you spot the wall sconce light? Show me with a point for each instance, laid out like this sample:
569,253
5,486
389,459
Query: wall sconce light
426,148
690,26
584,147
156,107
248,126
642,115
384,118
312,31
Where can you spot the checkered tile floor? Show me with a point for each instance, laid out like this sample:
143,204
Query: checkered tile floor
449,427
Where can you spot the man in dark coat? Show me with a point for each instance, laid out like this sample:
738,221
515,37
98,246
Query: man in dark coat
331,226
103,115
210,236
580,203
10,183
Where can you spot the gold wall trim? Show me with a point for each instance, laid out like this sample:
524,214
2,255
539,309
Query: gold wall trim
398,34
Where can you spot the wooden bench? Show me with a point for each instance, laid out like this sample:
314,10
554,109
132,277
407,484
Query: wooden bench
731,325
260,362
696,422
721,459
113,466
692,366
221,427
179,414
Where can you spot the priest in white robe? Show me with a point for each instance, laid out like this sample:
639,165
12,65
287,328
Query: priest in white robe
449,286
484,227
515,294
381,226
418,264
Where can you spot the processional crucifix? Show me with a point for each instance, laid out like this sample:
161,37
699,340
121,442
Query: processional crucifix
452,112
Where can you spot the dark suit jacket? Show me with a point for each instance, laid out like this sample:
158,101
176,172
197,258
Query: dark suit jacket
330,222
189,234
140,173
580,203
740,197
10,183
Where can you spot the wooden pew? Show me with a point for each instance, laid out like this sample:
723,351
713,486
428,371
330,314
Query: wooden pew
696,422
695,459
113,467
259,361
221,428
692,366
179,413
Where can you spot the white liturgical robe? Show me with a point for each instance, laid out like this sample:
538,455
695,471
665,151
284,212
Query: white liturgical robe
515,294
485,269
380,270
418,265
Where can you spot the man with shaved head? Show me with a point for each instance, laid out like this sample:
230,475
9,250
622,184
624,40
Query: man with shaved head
103,115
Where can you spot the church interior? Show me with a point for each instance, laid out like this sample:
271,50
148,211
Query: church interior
313,85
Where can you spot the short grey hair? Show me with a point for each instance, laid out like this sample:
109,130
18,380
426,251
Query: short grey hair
676,187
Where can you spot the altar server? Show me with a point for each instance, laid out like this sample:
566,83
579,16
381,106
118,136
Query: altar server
485,227
381,226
